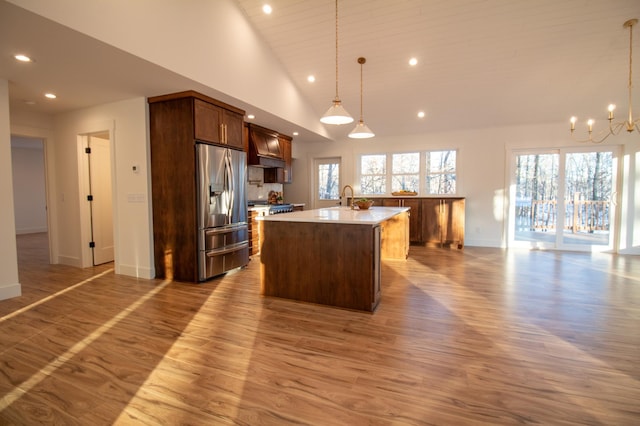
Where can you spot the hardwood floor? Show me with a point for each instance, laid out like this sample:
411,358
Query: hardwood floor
478,336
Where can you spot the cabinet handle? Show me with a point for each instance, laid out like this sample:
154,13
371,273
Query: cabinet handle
221,132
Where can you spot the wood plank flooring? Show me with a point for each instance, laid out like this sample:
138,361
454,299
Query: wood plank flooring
478,336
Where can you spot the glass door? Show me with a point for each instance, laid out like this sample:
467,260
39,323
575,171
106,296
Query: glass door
326,182
563,199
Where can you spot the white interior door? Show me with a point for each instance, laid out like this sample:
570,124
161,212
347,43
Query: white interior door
101,202
326,182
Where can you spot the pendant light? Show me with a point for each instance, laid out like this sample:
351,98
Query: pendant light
336,114
361,130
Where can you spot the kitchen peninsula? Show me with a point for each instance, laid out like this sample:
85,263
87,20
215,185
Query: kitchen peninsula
331,256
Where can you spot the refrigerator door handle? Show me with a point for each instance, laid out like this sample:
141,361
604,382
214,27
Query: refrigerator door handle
232,188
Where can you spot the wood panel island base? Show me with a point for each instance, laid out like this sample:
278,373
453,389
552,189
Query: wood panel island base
331,256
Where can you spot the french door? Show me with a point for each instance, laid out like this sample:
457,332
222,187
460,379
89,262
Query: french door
563,199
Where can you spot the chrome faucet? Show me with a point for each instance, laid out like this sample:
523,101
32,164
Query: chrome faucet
345,190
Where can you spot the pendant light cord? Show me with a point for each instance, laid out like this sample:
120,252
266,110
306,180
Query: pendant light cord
630,68
337,98
361,61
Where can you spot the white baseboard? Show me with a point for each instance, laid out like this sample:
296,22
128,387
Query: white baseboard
136,271
8,291
22,231
71,261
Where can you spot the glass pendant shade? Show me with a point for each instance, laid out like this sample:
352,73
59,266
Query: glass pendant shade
336,114
361,131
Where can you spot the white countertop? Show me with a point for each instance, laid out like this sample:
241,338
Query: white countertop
373,216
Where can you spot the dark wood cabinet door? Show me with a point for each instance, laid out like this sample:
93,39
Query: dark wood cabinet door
274,175
285,147
273,145
388,202
415,219
431,212
207,122
234,124
453,222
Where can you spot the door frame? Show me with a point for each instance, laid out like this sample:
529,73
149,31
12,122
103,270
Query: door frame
315,202
86,253
47,191
614,231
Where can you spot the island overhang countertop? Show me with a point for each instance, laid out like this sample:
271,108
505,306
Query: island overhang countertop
339,215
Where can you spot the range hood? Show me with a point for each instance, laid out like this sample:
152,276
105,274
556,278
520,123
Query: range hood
264,148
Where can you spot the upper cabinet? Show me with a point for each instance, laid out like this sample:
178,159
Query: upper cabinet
285,146
213,121
271,150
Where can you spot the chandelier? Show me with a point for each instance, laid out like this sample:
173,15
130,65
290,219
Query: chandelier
614,126
336,114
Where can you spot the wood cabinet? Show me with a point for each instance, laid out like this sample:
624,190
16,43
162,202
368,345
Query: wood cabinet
281,174
285,145
254,233
432,221
274,175
174,130
319,273
415,215
209,120
270,150
217,125
443,221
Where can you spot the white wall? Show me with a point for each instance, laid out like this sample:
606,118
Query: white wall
483,156
29,195
218,48
127,121
9,284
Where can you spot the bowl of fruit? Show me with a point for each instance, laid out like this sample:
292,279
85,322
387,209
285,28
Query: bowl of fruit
363,203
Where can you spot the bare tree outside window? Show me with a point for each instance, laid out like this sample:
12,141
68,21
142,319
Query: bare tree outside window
373,174
441,172
328,180
405,173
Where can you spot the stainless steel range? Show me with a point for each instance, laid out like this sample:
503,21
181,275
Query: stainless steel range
272,208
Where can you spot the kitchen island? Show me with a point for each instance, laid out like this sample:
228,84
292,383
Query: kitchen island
331,256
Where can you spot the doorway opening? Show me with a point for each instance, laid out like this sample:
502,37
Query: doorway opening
30,199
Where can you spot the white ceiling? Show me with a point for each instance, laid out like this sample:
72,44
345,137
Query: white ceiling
481,62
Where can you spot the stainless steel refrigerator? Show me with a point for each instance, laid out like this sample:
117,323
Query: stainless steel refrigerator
223,236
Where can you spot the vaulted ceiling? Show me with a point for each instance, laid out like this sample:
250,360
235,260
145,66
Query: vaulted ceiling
480,62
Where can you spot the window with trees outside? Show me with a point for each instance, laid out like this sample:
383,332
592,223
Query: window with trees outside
441,172
373,174
426,172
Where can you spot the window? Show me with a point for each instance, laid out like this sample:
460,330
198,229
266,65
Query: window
426,172
328,181
373,174
441,172
405,172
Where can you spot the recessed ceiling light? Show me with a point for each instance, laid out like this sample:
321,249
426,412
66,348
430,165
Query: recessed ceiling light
295,133
22,58
267,9
251,116
413,62
50,95
311,79
421,114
